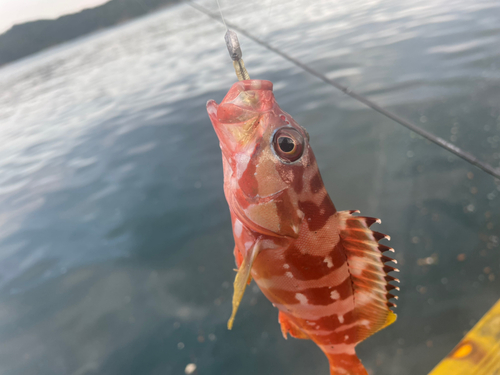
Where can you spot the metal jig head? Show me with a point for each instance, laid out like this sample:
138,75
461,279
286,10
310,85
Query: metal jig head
233,46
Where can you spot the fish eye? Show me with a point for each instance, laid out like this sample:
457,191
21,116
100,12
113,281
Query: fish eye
288,144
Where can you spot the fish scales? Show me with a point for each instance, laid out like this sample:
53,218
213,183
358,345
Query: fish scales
322,269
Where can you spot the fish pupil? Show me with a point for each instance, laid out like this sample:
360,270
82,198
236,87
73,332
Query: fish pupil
286,144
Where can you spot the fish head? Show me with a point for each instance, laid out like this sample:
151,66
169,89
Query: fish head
266,157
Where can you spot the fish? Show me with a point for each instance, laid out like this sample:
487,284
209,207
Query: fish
323,269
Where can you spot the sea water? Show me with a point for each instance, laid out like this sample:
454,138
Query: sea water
115,237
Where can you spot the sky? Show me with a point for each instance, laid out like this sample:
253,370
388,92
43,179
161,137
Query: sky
18,11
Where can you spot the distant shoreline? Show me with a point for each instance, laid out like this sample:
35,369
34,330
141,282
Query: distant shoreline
31,37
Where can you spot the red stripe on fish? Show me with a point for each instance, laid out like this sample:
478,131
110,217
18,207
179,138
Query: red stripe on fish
317,215
304,266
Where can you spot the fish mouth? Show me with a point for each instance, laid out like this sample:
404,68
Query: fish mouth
237,118
244,101
254,95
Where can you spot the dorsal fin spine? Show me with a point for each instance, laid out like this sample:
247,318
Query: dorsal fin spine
390,269
390,296
386,259
384,248
390,287
390,278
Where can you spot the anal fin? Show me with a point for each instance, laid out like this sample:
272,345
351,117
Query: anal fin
287,326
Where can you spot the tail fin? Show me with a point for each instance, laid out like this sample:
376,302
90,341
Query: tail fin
346,364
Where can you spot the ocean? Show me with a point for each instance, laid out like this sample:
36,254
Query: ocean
115,236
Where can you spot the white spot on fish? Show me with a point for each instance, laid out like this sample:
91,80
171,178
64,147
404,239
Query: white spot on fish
346,337
341,349
328,261
286,266
363,298
289,274
357,265
296,229
310,323
237,228
365,323
241,164
289,176
341,319
269,244
300,214
301,298
334,295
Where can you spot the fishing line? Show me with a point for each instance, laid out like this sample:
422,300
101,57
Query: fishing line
346,90
221,15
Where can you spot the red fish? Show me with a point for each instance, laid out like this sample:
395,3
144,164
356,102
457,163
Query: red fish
322,268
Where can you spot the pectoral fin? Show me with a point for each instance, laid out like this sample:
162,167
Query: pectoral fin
242,279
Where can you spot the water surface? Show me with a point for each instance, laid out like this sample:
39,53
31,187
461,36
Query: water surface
116,245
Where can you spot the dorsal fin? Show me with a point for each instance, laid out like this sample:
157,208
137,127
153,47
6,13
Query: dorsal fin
369,273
